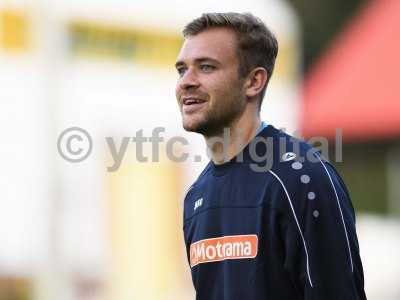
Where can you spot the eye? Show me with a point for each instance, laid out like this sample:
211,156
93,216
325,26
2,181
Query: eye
207,68
181,71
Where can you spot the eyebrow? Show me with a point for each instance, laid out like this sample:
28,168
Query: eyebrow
198,61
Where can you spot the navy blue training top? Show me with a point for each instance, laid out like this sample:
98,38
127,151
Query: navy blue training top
274,223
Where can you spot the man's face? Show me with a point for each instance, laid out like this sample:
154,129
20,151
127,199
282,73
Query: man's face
209,90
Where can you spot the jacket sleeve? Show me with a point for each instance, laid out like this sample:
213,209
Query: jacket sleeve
318,232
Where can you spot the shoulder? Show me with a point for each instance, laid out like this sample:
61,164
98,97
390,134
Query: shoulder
283,154
311,184
301,172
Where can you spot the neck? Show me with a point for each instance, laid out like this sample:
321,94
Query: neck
228,143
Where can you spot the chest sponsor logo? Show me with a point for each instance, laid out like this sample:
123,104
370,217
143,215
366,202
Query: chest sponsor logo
222,248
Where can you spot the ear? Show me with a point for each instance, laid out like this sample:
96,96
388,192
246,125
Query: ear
255,82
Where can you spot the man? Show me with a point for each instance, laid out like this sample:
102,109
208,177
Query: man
259,222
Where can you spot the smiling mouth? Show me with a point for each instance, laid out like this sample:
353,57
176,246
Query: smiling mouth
191,101
191,105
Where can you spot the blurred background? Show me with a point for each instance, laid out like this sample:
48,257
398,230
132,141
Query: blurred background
78,231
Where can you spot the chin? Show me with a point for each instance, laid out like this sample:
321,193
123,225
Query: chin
202,124
191,127
203,128
192,124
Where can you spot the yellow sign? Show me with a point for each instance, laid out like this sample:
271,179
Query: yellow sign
14,30
111,42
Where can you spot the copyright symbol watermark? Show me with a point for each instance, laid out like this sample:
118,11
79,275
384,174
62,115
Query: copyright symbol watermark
74,144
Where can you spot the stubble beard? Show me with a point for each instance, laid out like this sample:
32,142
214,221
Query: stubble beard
216,120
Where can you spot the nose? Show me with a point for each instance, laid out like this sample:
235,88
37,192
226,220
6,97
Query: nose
188,80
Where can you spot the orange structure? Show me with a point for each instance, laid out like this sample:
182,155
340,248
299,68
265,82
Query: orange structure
355,85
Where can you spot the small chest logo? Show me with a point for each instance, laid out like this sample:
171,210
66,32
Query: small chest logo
288,156
223,248
198,203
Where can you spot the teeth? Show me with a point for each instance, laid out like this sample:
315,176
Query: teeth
192,101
